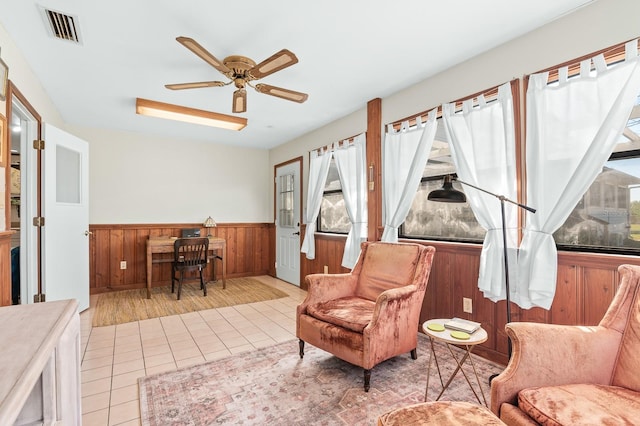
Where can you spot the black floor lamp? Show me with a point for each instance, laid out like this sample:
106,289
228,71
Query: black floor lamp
447,194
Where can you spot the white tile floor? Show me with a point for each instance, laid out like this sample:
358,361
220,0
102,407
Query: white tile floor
114,357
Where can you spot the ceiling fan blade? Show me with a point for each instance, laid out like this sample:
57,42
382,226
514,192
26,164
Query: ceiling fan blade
195,47
181,86
240,101
290,95
275,62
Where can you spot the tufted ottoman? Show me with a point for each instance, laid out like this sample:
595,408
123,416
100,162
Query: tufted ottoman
440,413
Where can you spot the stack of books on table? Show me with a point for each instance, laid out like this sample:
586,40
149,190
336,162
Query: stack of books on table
460,324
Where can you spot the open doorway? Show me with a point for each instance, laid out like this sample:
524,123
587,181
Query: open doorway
24,128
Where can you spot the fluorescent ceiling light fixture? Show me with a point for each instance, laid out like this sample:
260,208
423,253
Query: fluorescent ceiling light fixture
189,115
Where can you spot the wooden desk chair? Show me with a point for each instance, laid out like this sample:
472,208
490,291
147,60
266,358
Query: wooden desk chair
189,254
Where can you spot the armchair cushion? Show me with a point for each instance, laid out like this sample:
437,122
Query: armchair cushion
383,269
352,313
580,404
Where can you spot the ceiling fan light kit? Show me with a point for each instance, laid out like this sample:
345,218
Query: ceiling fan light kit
241,70
188,115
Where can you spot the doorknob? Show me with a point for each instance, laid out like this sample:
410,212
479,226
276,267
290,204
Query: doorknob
87,233
296,233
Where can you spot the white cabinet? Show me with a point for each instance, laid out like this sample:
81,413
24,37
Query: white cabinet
40,364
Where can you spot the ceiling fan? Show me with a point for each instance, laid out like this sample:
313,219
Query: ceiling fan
241,71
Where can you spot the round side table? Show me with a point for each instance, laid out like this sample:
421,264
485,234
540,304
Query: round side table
475,338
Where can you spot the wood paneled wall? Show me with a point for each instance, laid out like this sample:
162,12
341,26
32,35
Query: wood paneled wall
249,253
329,250
585,287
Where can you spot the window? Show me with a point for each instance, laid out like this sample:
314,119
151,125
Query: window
434,220
607,218
333,215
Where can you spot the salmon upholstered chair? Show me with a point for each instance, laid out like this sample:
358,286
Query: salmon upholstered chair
371,314
575,375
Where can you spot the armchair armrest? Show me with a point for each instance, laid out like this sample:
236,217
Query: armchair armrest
325,287
387,306
551,355
394,322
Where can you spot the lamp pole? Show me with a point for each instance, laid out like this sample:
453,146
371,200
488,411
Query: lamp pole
502,199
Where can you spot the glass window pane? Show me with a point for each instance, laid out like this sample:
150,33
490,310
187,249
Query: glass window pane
68,175
431,219
286,200
609,214
333,214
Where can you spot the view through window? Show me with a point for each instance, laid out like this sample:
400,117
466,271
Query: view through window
434,220
608,215
333,215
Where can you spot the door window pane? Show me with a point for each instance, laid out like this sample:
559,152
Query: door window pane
286,208
68,175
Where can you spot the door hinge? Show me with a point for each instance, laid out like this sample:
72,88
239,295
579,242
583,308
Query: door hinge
38,144
38,298
38,221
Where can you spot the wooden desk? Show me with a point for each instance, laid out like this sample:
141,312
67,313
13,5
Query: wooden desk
165,245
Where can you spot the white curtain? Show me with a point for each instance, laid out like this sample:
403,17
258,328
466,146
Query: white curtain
482,141
351,161
318,170
404,156
572,128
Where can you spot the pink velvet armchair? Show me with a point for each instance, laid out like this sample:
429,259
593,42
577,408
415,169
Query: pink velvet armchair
371,314
571,375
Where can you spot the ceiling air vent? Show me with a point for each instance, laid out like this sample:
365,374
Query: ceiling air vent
61,26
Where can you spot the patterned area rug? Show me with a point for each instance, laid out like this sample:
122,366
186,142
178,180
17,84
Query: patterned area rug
273,386
132,305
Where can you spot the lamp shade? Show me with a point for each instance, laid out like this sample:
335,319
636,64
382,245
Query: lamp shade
209,223
447,194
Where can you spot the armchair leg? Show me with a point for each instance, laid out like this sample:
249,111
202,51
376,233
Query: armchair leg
367,379
301,344
414,353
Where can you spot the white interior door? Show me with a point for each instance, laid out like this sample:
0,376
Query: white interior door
288,222
66,213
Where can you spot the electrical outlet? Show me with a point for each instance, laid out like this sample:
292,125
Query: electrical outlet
123,264
467,305
326,269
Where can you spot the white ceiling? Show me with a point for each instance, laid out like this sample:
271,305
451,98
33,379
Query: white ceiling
349,51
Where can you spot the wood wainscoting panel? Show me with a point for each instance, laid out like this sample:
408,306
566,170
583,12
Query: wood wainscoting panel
586,284
249,253
329,251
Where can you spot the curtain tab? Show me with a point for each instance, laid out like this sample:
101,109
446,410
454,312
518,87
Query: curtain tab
631,50
563,74
600,63
585,68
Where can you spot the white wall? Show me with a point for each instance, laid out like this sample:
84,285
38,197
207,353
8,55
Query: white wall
597,26
136,178
21,75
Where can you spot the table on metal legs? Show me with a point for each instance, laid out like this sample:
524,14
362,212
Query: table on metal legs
444,336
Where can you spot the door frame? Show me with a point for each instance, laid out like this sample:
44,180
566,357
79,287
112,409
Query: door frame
298,160
29,290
